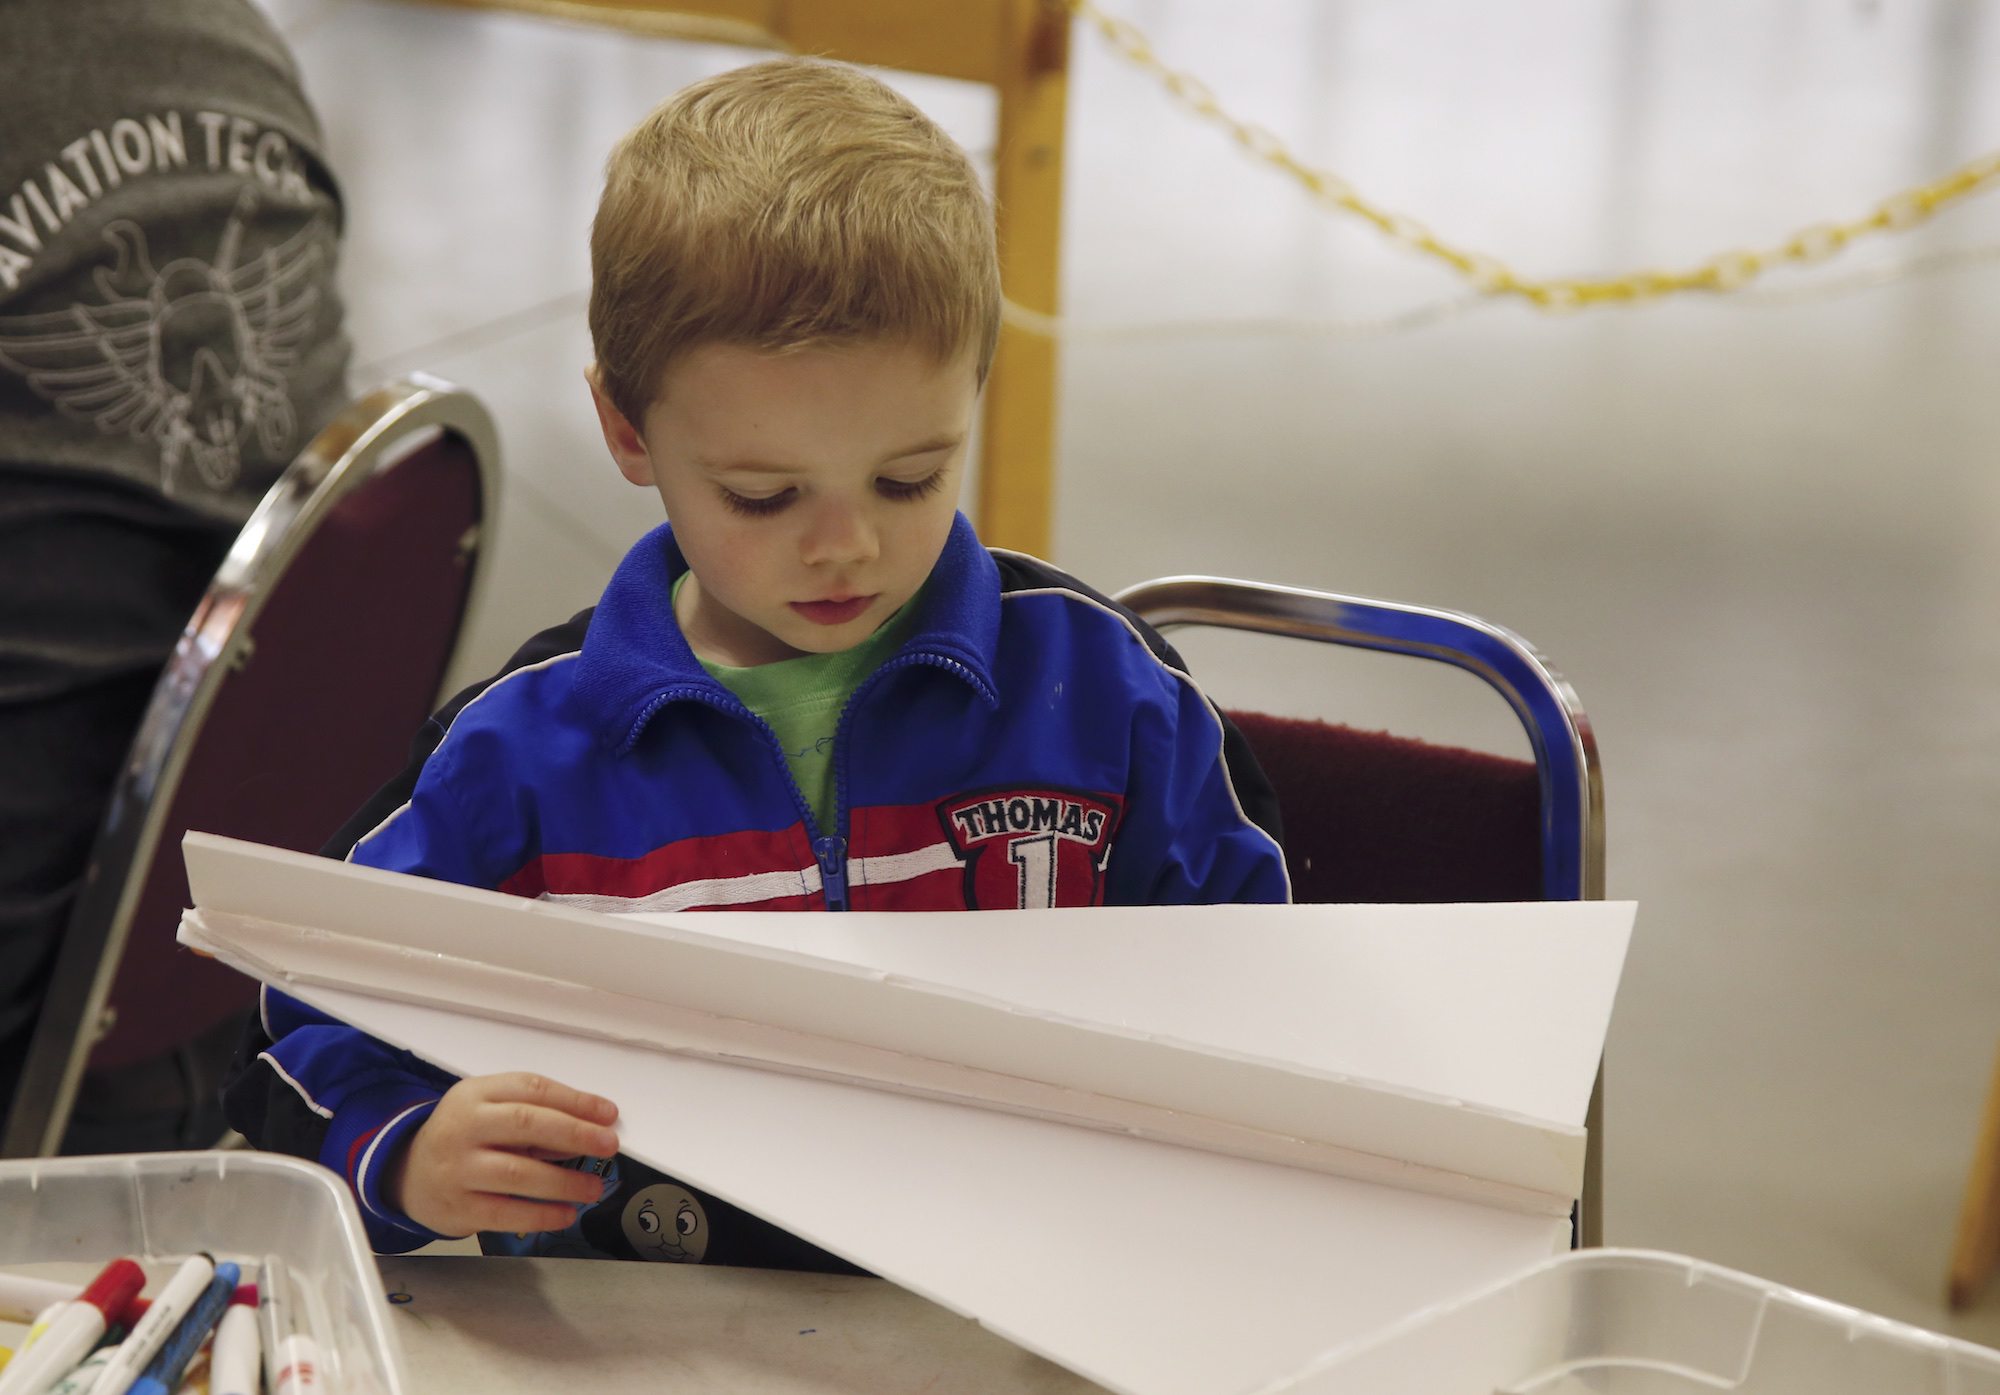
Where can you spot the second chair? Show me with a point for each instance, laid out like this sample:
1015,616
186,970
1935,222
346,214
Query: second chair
315,655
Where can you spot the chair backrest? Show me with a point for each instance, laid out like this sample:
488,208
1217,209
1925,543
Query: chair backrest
317,652
1374,817
1371,817
1570,820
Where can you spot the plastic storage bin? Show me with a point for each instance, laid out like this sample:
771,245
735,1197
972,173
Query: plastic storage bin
1634,1322
162,1207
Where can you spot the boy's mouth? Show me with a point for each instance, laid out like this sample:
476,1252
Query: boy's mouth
833,612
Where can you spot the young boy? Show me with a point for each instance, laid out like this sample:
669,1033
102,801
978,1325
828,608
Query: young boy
811,689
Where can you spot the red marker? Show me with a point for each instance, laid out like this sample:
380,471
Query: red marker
22,1298
74,1331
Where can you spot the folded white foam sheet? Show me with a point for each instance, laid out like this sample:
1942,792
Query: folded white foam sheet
1446,1048
1151,1269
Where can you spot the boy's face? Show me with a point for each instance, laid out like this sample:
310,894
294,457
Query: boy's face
811,491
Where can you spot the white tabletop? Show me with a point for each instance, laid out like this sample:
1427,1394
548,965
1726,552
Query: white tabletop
500,1326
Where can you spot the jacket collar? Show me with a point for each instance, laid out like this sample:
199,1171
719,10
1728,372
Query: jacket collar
635,659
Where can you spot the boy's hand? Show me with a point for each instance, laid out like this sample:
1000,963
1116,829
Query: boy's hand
482,1159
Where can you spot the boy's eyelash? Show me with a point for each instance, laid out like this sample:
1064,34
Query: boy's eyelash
911,489
756,508
901,490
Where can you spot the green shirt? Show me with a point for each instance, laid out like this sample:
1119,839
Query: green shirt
801,700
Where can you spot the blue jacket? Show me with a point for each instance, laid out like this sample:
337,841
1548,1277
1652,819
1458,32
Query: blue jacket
1031,744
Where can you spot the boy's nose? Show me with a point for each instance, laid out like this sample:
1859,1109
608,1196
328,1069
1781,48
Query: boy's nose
840,533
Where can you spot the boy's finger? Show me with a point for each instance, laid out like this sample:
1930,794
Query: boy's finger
528,1128
518,1175
510,1213
525,1087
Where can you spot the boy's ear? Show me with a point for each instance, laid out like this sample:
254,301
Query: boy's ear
621,438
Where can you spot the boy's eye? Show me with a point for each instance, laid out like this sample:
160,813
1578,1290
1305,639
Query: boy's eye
911,489
757,507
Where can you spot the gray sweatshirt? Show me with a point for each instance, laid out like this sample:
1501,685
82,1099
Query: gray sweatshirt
168,234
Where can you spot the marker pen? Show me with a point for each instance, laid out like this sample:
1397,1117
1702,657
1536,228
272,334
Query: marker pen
23,1298
300,1371
42,1321
163,1373
83,1380
73,1331
233,1363
150,1332
291,1357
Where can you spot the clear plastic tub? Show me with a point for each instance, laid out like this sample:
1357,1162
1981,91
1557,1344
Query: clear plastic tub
1634,1322
73,1214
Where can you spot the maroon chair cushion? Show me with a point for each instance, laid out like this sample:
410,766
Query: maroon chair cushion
349,652
1371,817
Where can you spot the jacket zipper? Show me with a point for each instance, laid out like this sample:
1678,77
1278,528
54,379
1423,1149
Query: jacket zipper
829,850
832,851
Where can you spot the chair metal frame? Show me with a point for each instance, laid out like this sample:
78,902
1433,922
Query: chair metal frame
1565,749
372,433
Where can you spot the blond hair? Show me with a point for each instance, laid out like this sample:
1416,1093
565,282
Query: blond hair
785,205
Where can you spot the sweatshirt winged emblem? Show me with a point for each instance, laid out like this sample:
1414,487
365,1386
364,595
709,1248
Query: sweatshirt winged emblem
193,356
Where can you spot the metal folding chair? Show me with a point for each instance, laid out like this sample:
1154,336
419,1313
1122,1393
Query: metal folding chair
1417,822
319,647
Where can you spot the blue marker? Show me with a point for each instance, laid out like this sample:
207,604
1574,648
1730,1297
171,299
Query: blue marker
163,1375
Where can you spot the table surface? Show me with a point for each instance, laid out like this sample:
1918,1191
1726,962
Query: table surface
498,1326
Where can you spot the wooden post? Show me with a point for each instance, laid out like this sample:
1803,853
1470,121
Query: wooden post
1017,462
1978,1247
